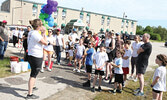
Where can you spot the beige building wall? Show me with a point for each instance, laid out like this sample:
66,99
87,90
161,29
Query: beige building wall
21,14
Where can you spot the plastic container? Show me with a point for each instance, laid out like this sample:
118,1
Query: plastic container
14,58
24,66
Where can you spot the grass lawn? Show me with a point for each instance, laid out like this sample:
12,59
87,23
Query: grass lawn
127,93
5,68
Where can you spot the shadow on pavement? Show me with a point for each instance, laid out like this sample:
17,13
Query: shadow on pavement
4,88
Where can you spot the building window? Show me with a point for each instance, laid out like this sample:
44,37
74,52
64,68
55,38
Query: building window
88,19
127,24
102,20
108,21
55,14
63,14
132,24
81,15
122,24
34,9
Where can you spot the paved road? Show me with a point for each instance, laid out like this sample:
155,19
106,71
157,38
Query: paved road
60,84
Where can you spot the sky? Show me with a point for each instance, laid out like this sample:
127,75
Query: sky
146,12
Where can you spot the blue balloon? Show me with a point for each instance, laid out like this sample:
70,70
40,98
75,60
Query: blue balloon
42,11
42,6
51,23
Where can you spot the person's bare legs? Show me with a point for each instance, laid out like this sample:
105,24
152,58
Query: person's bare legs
31,85
94,81
75,63
100,79
89,76
79,61
141,81
107,65
120,86
43,63
155,95
49,60
160,96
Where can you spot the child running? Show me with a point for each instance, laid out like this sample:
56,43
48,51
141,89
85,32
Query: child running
125,65
100,60
118,71
159,79
79,55
90,52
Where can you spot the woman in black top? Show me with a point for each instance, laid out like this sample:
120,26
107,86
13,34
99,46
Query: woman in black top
87,39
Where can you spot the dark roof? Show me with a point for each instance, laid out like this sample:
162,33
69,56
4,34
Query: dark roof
79,10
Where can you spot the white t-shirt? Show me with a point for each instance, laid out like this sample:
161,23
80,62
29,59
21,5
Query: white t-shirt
118,61
126,62
135,47
34,47
58,39
21,34
161,73
70,52
15,32
100,58
50,40
80,50
74,36
107,42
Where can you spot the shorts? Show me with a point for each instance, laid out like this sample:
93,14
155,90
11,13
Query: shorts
141,69
78,57
125,70
156,91
119,78
99,72
89,68
47,52
70,58
35,64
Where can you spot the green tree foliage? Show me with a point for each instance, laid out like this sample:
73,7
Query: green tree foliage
157,33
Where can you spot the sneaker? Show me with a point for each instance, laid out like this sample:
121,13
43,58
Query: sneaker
123,84
114,91
78,71
137,90
42,70
139,94
74,69
49,69
99,89
58,63
119,91
135,80
32,96
130,77
35,88
93,89
86,84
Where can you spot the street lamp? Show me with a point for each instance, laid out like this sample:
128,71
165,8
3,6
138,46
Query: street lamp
124,17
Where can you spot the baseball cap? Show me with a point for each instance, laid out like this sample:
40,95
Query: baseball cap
58,29
4,21
74,29
117,33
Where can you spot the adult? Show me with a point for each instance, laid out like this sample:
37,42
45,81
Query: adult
4,38
96,38
119,42
48,50
87,39
35,54
135,47
110,45
142,62
15,36
59,45
84,35
73,35
20,36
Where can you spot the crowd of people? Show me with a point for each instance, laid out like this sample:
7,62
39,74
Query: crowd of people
111,57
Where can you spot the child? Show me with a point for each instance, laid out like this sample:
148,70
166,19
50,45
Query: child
159,79
67,49
118,71
70,52
79,55
90,52
100,60
126,56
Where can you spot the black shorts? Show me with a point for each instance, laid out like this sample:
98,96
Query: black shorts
119,78
89,68
156,91
141,69
35,64
99,72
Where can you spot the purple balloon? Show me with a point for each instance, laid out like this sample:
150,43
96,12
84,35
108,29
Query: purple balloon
52,3
54,9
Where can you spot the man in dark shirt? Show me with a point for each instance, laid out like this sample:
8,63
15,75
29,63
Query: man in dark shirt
3,38
142,62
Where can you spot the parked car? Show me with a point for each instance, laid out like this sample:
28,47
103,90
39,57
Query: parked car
131,37
165,44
